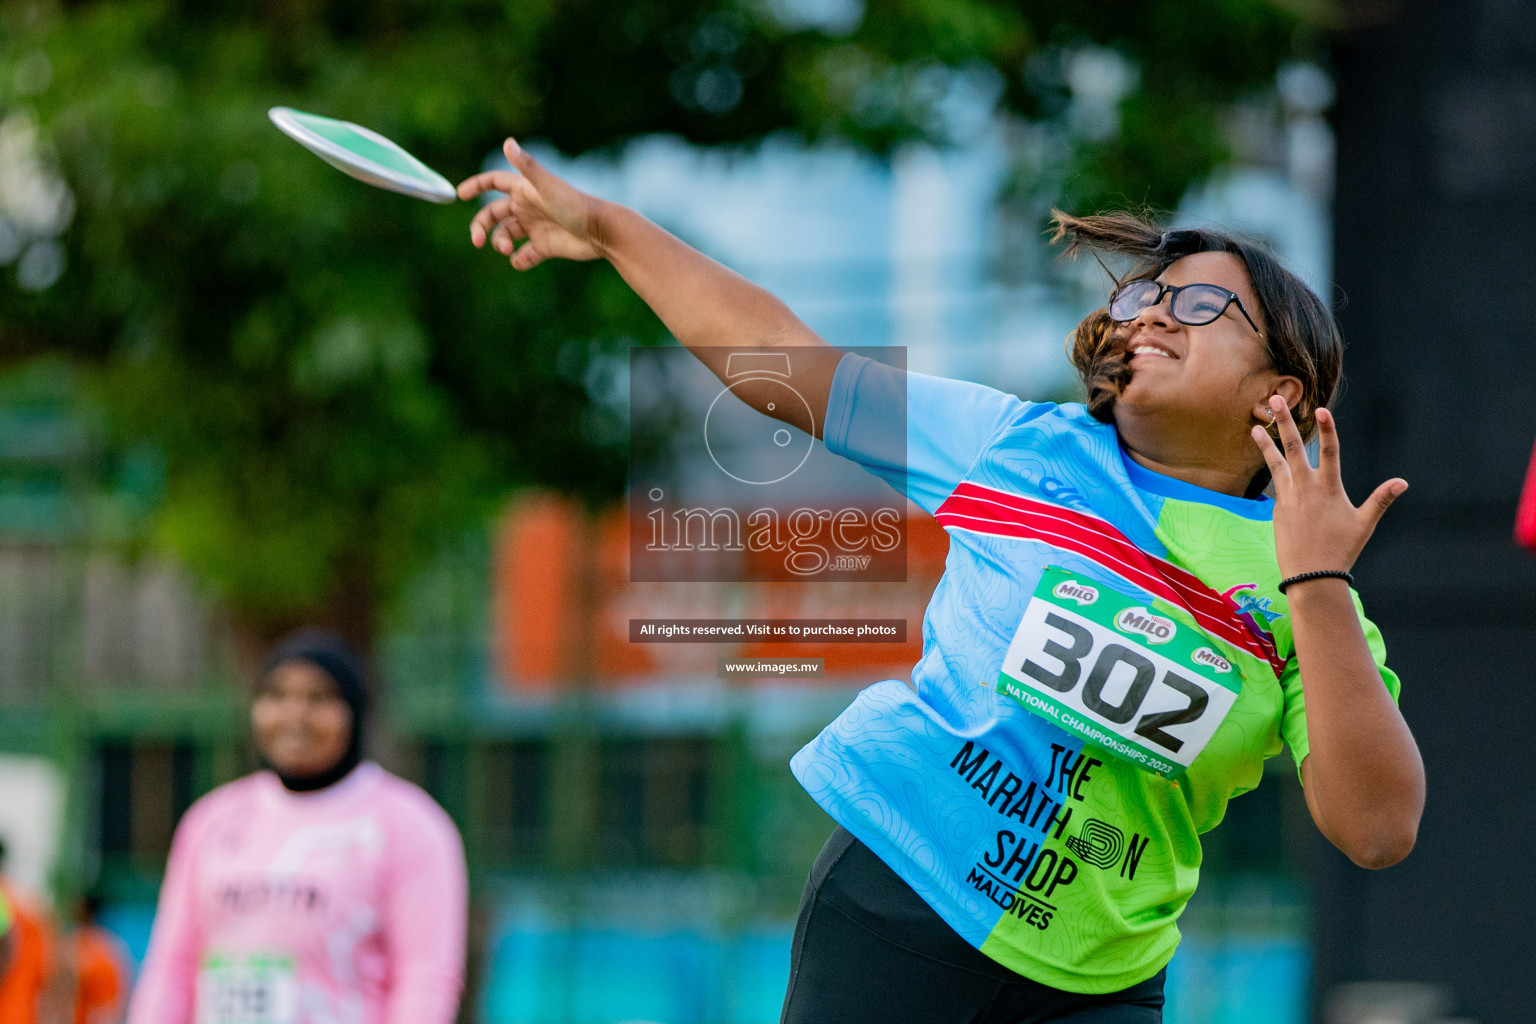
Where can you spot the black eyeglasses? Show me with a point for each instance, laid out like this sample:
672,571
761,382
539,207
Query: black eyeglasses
1192,304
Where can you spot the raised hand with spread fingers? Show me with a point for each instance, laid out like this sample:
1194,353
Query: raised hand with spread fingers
1363,776
1317,528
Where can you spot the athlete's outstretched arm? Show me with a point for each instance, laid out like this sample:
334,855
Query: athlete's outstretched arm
707,307
1363,776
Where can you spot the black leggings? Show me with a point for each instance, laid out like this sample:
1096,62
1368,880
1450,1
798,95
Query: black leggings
868,948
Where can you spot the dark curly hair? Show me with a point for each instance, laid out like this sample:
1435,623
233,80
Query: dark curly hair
1300,335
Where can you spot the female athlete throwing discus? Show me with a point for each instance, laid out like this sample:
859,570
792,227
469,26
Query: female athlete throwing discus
1126,628
322,889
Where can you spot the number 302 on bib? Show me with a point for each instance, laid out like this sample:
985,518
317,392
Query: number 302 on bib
1100,664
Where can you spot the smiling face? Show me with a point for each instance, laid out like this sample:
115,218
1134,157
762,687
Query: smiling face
302,725
1216,373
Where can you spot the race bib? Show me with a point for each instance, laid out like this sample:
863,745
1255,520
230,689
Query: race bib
247,988
1142,686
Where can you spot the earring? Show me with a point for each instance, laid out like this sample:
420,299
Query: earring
1271,415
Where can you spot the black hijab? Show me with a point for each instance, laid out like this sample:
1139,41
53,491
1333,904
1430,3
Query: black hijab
328,652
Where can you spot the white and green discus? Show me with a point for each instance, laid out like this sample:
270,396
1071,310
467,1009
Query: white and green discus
365,155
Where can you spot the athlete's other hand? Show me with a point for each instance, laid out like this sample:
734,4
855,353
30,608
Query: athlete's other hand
558,221
1317,528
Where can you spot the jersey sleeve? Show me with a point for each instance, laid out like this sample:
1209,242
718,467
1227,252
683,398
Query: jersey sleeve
948,424
167,985
426,908
1293,726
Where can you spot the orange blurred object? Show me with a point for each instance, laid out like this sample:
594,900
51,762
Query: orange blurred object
539,560
31,964
101,975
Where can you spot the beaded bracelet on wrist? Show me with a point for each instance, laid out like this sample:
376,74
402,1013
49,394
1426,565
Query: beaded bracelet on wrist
1321,574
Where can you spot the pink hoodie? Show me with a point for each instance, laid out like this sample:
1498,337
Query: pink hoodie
344,906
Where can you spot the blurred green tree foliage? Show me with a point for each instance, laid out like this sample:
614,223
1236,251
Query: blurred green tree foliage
335,379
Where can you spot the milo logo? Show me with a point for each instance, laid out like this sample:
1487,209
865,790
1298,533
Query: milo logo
1209,658
1082,593
1142,622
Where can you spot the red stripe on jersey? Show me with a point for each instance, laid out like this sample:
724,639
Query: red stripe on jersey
998,513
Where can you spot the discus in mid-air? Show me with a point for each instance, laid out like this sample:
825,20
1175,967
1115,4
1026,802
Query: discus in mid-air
363,154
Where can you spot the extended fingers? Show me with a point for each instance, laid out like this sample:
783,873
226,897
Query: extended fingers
486,181
1290,436
506,235
1381,499
528,257
1327,442
1279,469
487,217
525,165
530,168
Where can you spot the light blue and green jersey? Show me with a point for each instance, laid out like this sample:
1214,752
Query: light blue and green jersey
1106,662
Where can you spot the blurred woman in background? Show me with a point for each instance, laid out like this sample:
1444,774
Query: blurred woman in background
319,889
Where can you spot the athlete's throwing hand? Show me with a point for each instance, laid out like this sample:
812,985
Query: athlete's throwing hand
1317,528
558,221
